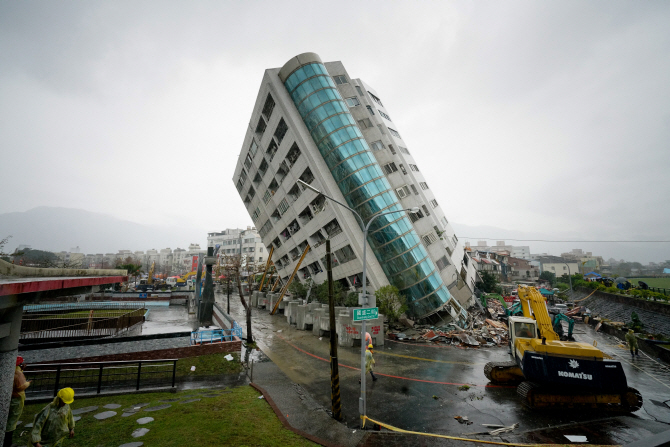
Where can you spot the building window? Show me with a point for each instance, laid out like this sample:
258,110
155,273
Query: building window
370,110
433,203
345,254
365,123
402,168
260,128
429,239
265,228
403,150
266,197
353,101
283,206
377,146
414,168
280,131
268,107
385,116
390,168
394,132
255,214
293,154
247,161
402,192
425,210
392,149
444,222
253,148
377,100
381,129
340,79
442,263
360,91
423,185
415,216
414,190
272,150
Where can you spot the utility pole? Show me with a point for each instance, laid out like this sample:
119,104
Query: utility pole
336,403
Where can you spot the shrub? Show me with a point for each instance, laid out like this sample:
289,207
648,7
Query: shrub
390,302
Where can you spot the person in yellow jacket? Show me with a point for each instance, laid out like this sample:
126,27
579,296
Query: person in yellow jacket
17,401
53,424
369,362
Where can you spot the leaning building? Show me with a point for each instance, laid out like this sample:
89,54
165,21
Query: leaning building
314,122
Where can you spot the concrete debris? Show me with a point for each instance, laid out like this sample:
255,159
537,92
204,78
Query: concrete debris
406,322
480,332
503,430
463,420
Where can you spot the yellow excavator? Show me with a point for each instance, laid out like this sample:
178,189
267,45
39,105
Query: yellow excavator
551,373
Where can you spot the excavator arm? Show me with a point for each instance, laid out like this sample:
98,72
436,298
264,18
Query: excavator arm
571,323
533,306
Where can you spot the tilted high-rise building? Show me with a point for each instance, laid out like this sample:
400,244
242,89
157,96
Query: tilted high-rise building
313,122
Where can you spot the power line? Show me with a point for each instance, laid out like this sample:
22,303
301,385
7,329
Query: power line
546,240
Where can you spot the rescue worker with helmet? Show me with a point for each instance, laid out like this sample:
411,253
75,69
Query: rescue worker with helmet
17,401
53,424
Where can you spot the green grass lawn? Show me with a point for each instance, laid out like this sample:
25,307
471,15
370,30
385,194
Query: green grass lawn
209,365
653,282
237,418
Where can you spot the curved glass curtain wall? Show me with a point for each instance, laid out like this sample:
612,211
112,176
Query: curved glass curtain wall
392,238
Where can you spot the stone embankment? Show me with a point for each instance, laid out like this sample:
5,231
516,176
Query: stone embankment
654,315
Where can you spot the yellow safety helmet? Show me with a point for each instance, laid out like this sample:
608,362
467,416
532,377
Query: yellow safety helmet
66,395
370,346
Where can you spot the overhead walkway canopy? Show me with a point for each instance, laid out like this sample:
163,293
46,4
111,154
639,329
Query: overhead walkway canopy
21,285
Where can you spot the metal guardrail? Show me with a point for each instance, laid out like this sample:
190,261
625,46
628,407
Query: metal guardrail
86,305
91,378
216,335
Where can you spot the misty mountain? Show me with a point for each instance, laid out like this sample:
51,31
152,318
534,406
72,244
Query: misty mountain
61,229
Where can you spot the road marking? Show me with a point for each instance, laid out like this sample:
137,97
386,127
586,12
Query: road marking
428,360
389,375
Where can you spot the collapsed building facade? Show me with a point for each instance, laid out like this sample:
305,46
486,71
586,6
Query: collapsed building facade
313,122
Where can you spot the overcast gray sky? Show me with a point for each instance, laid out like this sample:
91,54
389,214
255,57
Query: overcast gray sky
547,117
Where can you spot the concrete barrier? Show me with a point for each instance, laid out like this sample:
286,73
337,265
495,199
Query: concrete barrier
348,331
264,300
321,320
290,311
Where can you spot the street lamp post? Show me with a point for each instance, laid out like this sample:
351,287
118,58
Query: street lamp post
364,297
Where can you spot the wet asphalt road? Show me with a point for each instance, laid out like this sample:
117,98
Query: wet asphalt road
418,386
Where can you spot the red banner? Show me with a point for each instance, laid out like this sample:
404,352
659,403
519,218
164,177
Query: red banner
194,264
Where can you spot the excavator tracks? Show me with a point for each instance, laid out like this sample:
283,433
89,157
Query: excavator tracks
544,397
503,373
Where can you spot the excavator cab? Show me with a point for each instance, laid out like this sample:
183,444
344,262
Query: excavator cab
523,329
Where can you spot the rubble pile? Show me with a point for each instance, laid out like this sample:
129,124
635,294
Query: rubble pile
495,308
480,332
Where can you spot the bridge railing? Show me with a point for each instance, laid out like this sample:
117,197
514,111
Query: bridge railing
79,323
92,378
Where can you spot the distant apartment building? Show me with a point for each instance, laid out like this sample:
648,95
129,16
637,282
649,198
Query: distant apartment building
494,263
555,264
516,251
522,270
587,262
312,121
247,244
